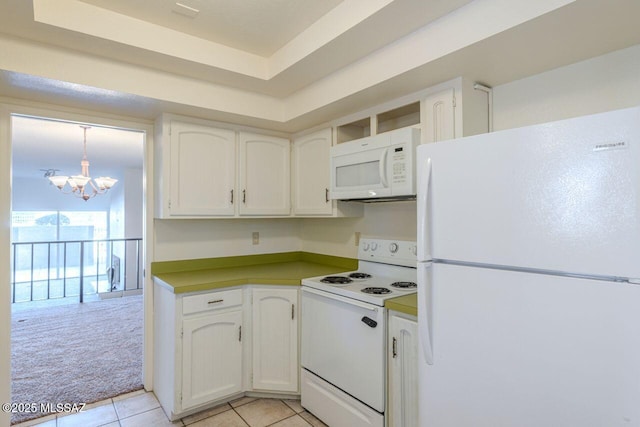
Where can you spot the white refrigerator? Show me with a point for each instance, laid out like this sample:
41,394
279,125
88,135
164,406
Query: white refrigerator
529,276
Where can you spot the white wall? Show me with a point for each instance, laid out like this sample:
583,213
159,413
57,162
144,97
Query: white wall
133,223
116,212
133,200
37,194
336,236
604,83
177,239
126,221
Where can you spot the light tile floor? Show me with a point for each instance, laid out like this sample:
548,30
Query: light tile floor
141,409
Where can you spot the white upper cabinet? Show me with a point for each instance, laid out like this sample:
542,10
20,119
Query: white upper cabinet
456,111
439,118
264,178
311,179
202,170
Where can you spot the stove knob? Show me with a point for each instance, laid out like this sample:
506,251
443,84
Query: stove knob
393,248
365,247
374,246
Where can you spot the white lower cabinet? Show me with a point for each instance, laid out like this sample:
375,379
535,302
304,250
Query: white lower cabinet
209,371
275,339
206,344
403,371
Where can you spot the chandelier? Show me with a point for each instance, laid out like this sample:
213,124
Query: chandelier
83,186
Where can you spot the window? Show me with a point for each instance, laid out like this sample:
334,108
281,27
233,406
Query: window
43,226
45,269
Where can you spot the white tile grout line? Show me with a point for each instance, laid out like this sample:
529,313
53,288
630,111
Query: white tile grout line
276,422
136,393
291,416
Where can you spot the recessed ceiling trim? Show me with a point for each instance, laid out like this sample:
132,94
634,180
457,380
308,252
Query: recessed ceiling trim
336,22
88,19
34,59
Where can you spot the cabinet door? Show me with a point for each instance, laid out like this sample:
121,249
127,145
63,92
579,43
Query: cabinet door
211,358
403,372
202,175
275,339
264,175
439,116
311,175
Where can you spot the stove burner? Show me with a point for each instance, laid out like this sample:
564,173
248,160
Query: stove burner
376,291
336,280
359,275
404,285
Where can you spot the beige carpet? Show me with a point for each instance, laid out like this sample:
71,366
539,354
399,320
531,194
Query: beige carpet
78,353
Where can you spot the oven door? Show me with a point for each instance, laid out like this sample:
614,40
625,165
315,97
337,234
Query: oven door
343,342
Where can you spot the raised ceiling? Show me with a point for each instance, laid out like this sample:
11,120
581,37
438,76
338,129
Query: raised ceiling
287,64
260,27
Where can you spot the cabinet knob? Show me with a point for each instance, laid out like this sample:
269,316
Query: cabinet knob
231,196
395,347
244,196
326,195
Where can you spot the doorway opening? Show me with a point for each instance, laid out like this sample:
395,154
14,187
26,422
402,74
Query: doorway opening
77,263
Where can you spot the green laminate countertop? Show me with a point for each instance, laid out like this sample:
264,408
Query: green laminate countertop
407,304
287,268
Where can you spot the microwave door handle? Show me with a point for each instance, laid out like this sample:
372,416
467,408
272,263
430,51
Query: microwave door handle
383,168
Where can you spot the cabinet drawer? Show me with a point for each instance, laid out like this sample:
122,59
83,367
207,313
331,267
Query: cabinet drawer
211,301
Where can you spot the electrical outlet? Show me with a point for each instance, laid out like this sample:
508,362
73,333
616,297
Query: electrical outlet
256,238
357,239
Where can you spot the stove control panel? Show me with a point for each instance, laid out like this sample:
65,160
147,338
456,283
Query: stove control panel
397,252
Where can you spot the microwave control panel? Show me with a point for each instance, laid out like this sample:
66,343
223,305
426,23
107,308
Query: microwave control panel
399,164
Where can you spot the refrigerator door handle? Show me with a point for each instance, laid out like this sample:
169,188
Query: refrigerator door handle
425,311
424,187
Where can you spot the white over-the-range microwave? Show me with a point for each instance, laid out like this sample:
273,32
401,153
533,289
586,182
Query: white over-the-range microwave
375,168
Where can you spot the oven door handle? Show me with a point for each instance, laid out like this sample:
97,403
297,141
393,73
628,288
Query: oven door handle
340,298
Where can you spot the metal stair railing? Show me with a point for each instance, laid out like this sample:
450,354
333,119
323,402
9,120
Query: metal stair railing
70,264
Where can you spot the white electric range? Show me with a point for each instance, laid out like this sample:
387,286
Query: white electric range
344,333
386,269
